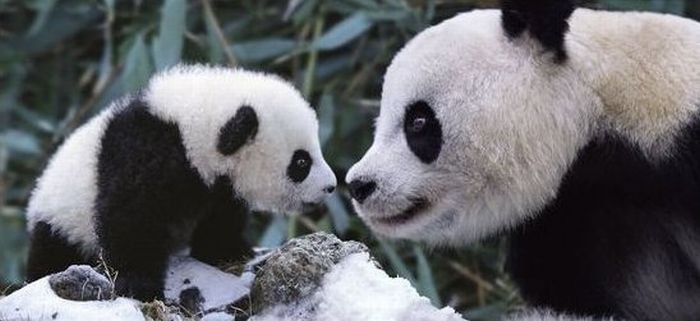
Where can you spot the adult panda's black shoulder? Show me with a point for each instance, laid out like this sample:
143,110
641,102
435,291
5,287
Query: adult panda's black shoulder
175,166
576,130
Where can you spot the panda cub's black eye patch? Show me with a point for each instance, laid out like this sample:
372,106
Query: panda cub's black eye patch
300,166
423,131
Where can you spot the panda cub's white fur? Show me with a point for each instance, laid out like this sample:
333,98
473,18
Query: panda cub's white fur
175,163
70,210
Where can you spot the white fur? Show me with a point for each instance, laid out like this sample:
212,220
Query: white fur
200,100
64,196
513,121
545,315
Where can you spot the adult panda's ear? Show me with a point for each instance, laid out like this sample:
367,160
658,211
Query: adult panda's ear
238,131
546,20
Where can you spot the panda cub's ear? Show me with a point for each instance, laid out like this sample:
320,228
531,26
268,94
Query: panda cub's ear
546,20
238,131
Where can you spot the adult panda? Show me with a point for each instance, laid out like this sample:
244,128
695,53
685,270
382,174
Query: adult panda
173,166
576,130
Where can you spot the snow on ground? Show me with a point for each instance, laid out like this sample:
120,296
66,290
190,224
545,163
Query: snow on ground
215,289
356,290
37,302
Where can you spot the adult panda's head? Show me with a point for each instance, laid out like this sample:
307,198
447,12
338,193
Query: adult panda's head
252,128
481,115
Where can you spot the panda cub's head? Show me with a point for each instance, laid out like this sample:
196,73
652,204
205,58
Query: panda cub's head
252,128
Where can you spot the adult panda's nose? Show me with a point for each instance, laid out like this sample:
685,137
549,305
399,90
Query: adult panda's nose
329,189
361,189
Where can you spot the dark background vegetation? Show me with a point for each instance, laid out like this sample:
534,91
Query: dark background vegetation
62,61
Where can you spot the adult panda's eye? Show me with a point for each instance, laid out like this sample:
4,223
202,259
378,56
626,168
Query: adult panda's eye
423,131
300,166
417,124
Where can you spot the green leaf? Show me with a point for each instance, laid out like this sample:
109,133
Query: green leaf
488,312
343,32
339,214
262,49
671,6
275,233
20,142
396,262
326,117
64,21
167,47
137,66
216,51
426,283
44,8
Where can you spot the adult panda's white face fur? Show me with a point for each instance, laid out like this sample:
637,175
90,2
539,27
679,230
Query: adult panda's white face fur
478,125
253,128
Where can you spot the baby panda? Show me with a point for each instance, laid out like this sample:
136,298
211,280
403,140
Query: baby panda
176,165
578,131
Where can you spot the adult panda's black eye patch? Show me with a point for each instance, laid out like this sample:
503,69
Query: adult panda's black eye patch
300,166
238,130
423,131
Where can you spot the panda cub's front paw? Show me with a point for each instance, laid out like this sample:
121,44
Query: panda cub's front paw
142,288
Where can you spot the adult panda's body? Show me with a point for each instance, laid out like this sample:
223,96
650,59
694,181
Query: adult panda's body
582,139
172,167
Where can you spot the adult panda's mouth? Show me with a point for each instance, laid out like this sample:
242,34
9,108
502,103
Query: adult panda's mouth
419,206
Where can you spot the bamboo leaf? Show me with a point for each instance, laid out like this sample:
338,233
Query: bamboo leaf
396,262
137,67
167,47
343,32
339,214
426,283
275,233
326,118
262,49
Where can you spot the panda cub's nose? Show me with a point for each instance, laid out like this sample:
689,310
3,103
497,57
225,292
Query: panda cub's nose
360,189
329,189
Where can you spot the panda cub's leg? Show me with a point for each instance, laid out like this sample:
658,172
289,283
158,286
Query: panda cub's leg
50,252
138,250
219,237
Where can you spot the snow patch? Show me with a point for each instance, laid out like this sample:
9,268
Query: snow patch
356,290
37,302
217,288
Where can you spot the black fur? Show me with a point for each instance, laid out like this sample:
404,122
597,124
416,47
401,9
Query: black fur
50,252
621,239
238,131
149,200
423,131
300,166
360,189
219,237
546,20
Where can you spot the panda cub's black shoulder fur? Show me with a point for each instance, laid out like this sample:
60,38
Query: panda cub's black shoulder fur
128,219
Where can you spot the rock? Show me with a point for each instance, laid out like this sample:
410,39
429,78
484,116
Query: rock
81,283
295,271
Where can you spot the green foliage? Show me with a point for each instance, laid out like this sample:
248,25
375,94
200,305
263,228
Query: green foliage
63,61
